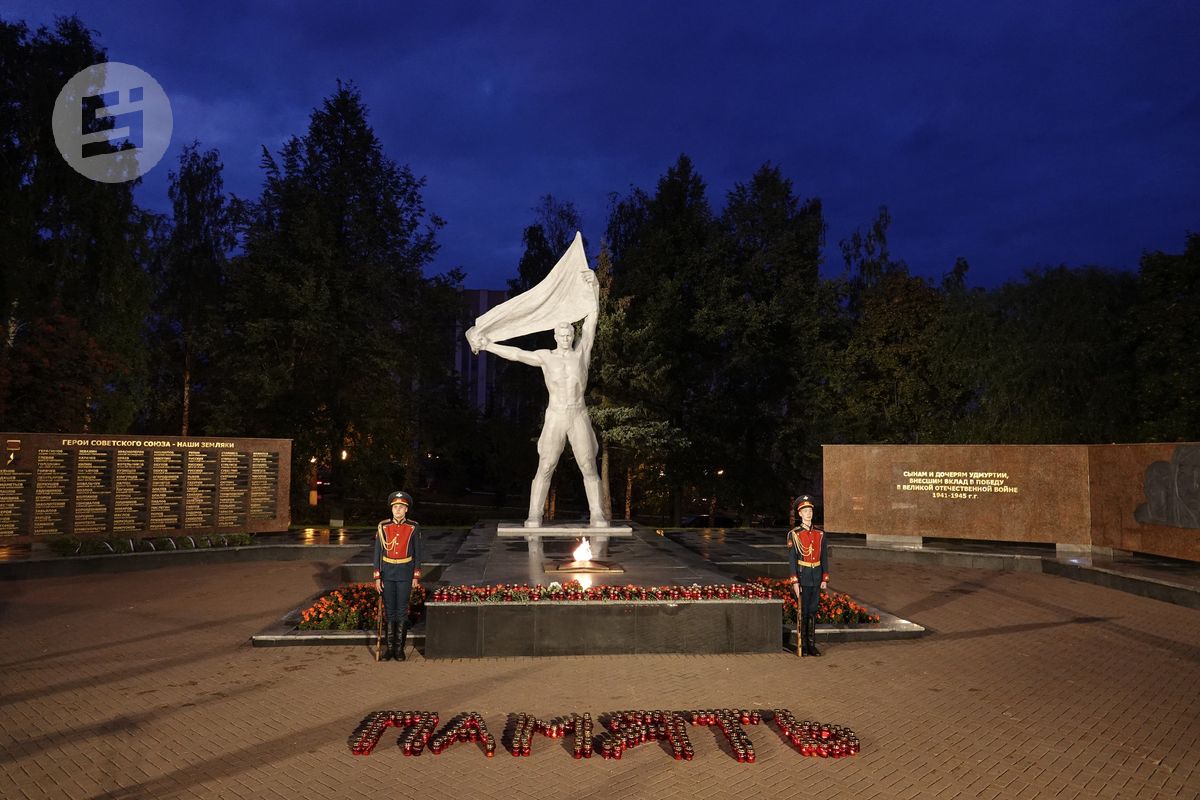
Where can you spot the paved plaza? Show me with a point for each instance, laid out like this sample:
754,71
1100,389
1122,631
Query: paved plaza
144,685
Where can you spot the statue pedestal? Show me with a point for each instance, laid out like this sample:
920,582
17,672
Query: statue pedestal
573,529
597,537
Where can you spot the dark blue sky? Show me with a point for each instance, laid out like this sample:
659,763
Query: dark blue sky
1014,134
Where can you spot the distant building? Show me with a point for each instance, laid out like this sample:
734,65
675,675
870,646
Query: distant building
477,373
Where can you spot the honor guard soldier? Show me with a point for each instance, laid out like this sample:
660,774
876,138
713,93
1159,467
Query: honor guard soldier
809,561
397,570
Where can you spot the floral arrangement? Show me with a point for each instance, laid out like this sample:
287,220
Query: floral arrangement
354,607
836,608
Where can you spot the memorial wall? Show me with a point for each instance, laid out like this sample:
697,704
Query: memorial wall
1136,497
84,484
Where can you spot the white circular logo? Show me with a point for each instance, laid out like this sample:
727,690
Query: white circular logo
112,122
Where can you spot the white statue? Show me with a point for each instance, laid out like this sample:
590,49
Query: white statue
570,292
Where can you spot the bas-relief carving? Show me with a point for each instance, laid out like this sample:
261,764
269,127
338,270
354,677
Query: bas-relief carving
1172,490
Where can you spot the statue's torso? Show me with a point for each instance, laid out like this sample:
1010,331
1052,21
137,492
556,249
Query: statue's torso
566,378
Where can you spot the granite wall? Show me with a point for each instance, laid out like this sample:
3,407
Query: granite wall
1146,498
1138,497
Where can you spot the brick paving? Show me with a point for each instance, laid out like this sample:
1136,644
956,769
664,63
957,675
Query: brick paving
143,685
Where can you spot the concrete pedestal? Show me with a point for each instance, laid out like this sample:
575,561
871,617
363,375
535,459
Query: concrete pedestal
597,537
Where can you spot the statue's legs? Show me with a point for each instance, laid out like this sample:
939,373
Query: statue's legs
550,447
585,448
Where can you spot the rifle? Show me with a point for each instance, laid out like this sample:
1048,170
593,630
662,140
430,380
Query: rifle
379,628
799,622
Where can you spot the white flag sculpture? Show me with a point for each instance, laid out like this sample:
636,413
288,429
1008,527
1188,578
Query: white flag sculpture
566,294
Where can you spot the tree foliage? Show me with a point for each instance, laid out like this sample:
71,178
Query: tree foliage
74,250
337,336
1165,328
1057,363
187,320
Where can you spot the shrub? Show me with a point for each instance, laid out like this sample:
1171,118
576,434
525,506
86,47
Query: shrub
836,608
354,607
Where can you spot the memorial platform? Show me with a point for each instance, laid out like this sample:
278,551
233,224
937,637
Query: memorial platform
506,553
493,553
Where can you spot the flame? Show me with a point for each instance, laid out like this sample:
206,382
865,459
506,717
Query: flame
583,552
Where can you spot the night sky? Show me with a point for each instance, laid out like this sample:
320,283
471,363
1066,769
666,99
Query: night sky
1013,134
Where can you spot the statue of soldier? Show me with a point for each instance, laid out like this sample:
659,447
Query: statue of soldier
569,293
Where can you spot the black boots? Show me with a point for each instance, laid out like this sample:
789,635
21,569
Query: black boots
808,633
389,643
401,629
395,634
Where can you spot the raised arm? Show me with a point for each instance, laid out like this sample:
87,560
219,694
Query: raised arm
510,353
588,335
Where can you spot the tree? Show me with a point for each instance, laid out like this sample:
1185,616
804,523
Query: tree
73,248
887,378
1059,364
763,370
894,373
1165,327
960,344
868,258
661,248
189,291
617,396
545,240
48,374
334,328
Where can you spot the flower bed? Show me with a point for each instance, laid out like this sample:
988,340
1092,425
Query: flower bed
354,607
836,608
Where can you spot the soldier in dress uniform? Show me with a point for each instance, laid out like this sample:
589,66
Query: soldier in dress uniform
397,570
808,557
